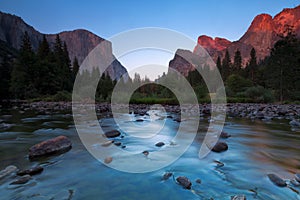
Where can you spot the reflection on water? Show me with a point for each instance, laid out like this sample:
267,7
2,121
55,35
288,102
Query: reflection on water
256,148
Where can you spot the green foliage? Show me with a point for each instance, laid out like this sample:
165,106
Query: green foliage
236,83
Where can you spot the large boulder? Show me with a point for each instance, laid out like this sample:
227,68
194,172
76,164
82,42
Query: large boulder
52,146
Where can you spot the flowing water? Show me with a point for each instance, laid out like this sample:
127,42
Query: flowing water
256,148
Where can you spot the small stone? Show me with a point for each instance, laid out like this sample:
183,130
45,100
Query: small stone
184,182
8,170
198,181
167,175
220,147
112,134
31,171
225,135
219,164
123,147
159,144
108,160
146,153
117,143
238,197
24,179
139,120
277,180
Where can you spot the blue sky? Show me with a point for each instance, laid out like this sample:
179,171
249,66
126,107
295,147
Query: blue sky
222,18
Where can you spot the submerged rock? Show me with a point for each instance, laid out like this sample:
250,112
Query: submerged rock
277,180
146,153
184,182
238,197
24,179
167,175
139,120
112,134
225,135
31,171
159,144
295,182
220,147
108,160
198,181
59,144
7,171
117,143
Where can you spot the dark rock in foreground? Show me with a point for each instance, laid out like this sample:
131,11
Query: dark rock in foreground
184,182
112,134
7,171
31,171
238,197
59,144
24,179
225,135
167,175
277,180
159,144
220,147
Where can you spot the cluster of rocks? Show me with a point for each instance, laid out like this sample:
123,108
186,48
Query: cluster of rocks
52,146
282,183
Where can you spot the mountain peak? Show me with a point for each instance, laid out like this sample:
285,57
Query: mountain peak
262,22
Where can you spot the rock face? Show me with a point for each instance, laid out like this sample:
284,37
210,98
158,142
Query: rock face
59,144
79,42
261,35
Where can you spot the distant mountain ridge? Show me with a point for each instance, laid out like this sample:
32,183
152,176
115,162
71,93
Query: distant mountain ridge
79,42
262,34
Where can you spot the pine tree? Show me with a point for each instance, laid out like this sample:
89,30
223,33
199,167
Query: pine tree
226,65
75,68
237,64
252,66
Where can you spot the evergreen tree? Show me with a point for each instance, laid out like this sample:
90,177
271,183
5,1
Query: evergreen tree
237,64
75,68
252,66
226,65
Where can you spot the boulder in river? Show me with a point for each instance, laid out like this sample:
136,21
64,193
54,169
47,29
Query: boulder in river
31,171
277,180
7,171
184,182
167,175
220,147
24,179
238,197
224,135
159,144
59,144
112,134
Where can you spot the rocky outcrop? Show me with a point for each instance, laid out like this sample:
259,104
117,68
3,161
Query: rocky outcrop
52,146
262,34
79,42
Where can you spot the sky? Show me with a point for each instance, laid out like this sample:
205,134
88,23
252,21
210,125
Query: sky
106,18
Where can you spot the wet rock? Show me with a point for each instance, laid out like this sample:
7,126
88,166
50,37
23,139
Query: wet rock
146,153
184,182
238,197
139,120
277,180
220,147
123,147
177,120
297,177
31,171
24,179
108,160
117,143
159,144
169,116
7,171
112,134
225,135
59,144
219,164
198,181
167,175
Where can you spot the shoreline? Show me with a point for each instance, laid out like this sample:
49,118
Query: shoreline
251,111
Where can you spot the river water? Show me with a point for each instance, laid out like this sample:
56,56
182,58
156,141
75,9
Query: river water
256,149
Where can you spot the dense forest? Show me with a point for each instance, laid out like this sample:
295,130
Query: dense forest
48,74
